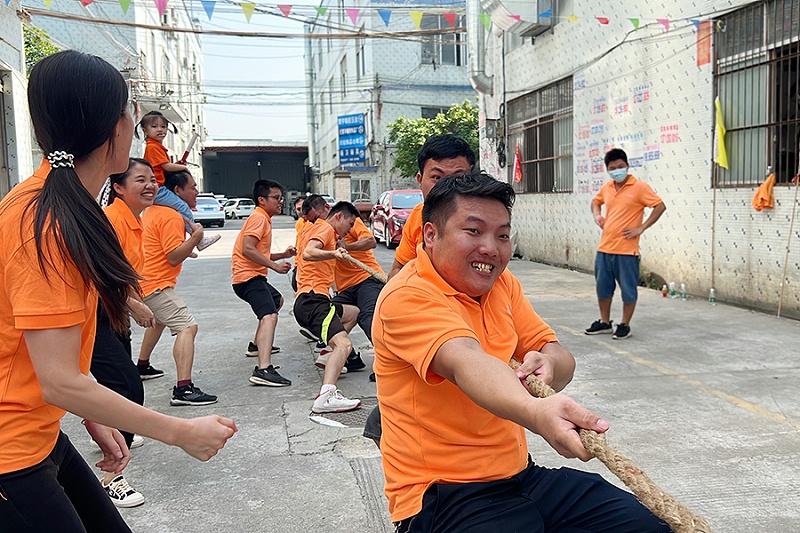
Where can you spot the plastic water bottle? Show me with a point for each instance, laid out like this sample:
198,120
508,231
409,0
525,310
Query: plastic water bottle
664,291
672,292
684,296
712,296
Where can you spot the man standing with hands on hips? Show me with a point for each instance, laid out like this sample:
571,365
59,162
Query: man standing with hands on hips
617,260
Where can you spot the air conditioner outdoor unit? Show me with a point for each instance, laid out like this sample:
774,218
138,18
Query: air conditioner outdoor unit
531,22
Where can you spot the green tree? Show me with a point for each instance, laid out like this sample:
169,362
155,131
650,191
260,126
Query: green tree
408,135
38,45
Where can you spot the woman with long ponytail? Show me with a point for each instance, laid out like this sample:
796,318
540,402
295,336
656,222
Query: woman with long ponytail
59,255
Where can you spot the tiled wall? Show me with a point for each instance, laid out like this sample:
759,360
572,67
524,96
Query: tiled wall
649,97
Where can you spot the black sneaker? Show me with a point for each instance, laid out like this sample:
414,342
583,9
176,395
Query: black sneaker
354,362
372,377
191,395
252,350
308,335
269,377
598,326
148,372
623,331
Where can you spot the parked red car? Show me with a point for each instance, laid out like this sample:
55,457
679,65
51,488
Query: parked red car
390,213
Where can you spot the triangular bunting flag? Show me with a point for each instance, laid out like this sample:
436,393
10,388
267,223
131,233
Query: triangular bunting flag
83,2
353,12
546,14
248,8
124,4
47,3
572,18
161,5
208,5
696,23
321,10
486,19
450,18
635,23
8,2
602,20
664,22
518,18
416,17
286,9
386,15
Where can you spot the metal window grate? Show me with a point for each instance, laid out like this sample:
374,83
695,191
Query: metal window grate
757,77
540,123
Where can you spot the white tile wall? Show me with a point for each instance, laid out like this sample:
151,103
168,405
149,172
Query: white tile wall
703,238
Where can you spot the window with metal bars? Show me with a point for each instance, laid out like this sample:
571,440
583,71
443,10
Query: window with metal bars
540,124
757,77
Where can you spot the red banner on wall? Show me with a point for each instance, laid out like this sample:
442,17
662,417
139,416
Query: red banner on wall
704,43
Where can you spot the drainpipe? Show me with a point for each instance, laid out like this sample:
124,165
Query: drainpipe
312,119
476,40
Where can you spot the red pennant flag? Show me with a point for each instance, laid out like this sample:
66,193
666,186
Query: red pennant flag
517,165
518,18
602,20
286,9
450,18
86,2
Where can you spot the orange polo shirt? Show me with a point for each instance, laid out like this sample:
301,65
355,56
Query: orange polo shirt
301,240
258,225
432,432
33,299
347,274
412,236
156,154
318,276
129,232
164,231
298,226
624,209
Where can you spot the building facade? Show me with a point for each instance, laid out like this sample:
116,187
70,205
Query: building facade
16,161
164,67
356,87
644,78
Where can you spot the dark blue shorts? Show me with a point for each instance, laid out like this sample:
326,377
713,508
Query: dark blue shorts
610,269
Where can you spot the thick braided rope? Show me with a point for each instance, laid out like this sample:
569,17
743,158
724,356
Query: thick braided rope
369,270
664,506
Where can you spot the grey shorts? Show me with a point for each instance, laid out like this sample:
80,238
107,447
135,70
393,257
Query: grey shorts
170,310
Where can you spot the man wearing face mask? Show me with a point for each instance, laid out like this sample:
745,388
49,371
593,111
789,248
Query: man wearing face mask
617,260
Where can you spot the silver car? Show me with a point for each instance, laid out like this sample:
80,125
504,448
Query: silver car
209,212
239,208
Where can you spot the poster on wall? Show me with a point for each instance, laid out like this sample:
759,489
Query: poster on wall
352,139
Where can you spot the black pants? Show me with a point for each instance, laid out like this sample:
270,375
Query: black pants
112,365
59,494
537,500
364,296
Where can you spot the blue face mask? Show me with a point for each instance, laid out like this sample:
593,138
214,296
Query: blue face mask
619,174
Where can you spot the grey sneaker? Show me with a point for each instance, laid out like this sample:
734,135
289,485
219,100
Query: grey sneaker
191,395
269,377
207,241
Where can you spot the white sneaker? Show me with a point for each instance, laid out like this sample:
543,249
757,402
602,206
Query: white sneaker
137,442
207,241
333,401
322,360
122,494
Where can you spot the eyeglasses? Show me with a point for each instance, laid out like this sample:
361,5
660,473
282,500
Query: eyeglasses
276,198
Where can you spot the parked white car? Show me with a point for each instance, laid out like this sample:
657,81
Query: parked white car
239,208
209,212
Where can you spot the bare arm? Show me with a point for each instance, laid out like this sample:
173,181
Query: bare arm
173,167
597,213
494,386
553,364
361,245
652,219
314,252
396,267
179,254
250,251
55,355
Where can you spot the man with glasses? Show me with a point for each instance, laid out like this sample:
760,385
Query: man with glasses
251,259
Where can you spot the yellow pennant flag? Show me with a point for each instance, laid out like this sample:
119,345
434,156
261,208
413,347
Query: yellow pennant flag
416,18
248,8
572,18
720,153
48,3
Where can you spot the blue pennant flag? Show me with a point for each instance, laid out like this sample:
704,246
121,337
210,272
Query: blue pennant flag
208,5
385,15
546,14
696,23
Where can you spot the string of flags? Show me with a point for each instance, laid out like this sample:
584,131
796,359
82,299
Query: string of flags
354,13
